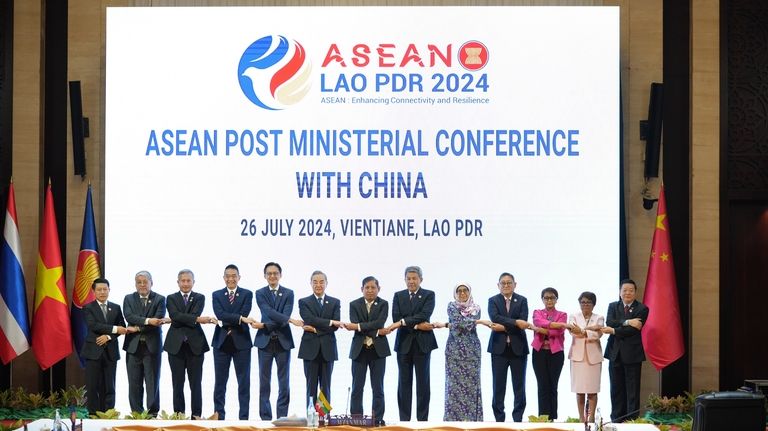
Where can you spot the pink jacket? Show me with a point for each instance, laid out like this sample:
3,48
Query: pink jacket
586,348
556,336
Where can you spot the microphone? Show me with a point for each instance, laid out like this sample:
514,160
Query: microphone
346,412
621,418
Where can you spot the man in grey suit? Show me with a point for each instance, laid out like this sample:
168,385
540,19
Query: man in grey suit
320,314
274,340
370,347
105,323
414,343
145,311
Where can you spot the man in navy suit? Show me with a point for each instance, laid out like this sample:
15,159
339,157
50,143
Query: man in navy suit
370,347
274,340
414,343
232,341
508,346
623,322
145,310
186,343
320,314
105,323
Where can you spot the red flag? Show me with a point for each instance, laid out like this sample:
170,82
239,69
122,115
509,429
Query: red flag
662,333
51,336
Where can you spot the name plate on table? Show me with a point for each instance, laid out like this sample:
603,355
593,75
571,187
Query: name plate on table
354,420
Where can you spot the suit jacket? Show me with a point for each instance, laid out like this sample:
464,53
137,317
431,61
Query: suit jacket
229,316
413,312
627,342
324,341
136,315
370,323
275,312
97,326
497,311
184,323
588,346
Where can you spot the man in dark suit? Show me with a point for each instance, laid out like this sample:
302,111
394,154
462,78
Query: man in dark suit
414,343
623,322
186,343
320,314
370,347
508,346
105,323
274,340
232,341
145,311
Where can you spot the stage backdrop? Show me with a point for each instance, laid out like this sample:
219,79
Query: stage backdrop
358,141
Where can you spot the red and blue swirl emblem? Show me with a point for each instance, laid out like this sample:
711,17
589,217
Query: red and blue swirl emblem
274,72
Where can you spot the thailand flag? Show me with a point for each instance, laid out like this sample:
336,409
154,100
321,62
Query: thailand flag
14,320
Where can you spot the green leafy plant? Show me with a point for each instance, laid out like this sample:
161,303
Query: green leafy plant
678,404
19,399
5,398
639,421
175,416
35,401
571,420
139,415
54,400
109,414
74,396
542,418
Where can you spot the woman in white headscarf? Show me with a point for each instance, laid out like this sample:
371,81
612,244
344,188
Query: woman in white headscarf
462,358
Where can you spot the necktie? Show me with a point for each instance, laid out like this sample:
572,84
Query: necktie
626,310
104,310
274,292
320,302
506,304
368,341
144,302
231,296
186,298
413,294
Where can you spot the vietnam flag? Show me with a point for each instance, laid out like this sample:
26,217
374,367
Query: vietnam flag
662,333
51,336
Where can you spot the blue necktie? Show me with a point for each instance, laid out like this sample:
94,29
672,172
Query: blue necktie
320,302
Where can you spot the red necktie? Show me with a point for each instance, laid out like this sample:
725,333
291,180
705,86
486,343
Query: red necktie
231,296
626,310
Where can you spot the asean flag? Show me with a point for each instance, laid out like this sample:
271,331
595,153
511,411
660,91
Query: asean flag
51,334
88,269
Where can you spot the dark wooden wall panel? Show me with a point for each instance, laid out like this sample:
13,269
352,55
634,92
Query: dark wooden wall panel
744,208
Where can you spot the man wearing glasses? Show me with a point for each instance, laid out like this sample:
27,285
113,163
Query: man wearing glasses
508,346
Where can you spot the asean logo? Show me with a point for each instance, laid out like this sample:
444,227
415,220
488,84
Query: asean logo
473,55
274,72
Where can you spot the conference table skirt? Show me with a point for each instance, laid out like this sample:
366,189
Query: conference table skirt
165,425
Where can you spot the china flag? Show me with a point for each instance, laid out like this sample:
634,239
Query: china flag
662,333
51,336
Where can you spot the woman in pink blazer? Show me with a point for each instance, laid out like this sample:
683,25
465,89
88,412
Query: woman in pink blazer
586,355
548,337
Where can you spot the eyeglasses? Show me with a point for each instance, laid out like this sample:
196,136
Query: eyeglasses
506,283
549,298
586,303
271,273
